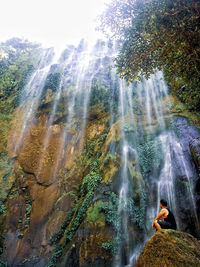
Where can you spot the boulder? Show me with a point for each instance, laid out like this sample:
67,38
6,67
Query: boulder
170,248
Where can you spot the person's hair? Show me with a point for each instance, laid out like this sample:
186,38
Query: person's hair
163,202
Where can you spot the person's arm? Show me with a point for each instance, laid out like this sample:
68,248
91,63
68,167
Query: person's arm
162,212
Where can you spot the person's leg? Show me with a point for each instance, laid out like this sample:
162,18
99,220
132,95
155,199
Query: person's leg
164,225
157,225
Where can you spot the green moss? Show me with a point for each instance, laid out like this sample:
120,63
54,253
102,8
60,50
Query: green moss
186,90
109,157
94,213
52,81
111,247
135,210
20,235
90,182
92,149
3,264
7,179
136,213
148,150
28,210
178,108
100,95
3,208
16,68
128,128
88,187
28,207
79,216
58,235
110,209
182,110
56,255
90,163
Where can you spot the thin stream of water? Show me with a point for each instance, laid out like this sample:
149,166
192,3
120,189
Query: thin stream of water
141,115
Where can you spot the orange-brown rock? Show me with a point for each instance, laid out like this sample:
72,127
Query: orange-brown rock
16,208
94,129
44,199
39,150
91,248
64,204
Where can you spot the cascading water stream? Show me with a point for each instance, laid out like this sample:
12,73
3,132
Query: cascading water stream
166,185
141,116
93,58
123,190
82,76
126,254
33,91
53,112
171,149
79,75
150,94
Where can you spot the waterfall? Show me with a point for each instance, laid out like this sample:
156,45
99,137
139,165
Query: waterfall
53,111
153,161
128,249
33,91
82,77
165,174
123,191
173,152
175,163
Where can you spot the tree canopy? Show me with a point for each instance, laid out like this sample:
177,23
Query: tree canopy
158,34
17,61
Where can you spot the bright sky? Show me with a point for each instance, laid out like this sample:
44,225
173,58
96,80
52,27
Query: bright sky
50,22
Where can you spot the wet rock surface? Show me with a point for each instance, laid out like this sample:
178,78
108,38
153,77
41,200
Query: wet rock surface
79,179
195,149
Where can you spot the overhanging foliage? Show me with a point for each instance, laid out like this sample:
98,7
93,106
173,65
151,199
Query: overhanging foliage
159,34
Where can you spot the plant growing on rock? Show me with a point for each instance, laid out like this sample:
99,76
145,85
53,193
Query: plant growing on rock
156,34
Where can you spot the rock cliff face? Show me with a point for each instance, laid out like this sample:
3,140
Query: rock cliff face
195,149
170,248
62,167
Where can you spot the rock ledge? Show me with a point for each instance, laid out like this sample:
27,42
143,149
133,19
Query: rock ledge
170,248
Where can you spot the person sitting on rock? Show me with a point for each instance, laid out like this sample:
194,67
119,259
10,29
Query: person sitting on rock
165,219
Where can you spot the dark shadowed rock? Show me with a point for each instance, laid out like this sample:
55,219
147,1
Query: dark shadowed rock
195,149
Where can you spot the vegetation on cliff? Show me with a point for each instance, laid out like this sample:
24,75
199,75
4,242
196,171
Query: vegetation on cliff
59,200
18,59
160,35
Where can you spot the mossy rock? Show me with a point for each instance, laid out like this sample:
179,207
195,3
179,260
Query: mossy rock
95,216
195,149
178,108
7,180
170,248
